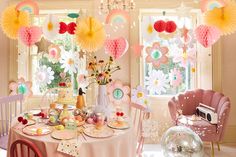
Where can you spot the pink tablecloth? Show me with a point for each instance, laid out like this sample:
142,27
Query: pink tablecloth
122,144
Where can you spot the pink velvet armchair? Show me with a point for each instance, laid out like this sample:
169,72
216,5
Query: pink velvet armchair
186,104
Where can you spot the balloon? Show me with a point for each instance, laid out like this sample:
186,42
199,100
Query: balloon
160,26
207,35
30,35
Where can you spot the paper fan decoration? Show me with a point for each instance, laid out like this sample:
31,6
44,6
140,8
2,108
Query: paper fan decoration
29,6
21,87
207,35
30,35
137,50
118,93
90,34
117,47
51,27
44,75
117,16
12,20
224,18
207,5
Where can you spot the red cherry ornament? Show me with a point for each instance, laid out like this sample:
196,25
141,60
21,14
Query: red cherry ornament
20,119
122,114
170,26
24,121
160,26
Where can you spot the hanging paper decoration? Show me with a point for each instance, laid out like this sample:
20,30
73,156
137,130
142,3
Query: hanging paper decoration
157,82
207,35
139,96
21,87
185,58
70,28
69,61
73,15
30,35
29,6
12,20
117,47
81,54
44,75
160,26
54,53
185,38
117,16
51,27
43,45
208,5
82,79
175,77
137,50
157,55
224,18
148,32
118,93
90,34
167,36
170,27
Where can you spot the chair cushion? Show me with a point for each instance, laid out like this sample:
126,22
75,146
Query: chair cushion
3,142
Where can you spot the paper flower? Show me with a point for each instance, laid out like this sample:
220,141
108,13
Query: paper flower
12,20
44,75
54,53
185,58
157,82
139,95
30,35
21,87
148,31
51,27
90,34
224,18
156,55
175,77
69,61
43,45
118,93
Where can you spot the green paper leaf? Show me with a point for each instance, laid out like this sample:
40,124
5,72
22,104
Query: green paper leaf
73,15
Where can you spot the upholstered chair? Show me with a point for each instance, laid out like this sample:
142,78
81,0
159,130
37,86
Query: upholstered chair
183,106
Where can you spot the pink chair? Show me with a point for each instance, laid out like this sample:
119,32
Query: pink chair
187,103
24,148
10,107
138,114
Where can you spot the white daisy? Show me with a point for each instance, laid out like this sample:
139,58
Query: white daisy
139,95
157,82
51,27
148,31
69,61
44,75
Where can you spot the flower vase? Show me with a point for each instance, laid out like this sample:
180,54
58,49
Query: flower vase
102,105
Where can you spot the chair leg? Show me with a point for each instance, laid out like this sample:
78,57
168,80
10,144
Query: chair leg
212,150
218,146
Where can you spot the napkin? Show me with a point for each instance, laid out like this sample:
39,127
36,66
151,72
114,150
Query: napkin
69,147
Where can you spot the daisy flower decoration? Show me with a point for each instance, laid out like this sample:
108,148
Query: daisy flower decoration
118,93
157,55
185,58
175,77
157,82
69,61
139,95
148,31
51,27
54,53
44,75
21,87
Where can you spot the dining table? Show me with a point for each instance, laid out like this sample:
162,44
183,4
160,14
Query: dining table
122,143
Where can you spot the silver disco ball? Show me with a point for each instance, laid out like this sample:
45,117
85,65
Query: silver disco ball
180,141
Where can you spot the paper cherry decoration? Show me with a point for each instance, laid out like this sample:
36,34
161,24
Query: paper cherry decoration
160,26
70,28
170,26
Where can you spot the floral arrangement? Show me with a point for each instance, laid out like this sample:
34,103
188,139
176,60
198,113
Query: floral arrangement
101,71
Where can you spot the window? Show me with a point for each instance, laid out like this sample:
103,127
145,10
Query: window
169,59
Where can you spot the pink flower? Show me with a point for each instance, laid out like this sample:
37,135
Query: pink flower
156,55
185,58
175,77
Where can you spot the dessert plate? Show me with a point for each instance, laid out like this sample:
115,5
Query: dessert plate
116,125
63,134
104,132
33,130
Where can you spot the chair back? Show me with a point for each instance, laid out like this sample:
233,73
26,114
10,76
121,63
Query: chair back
10,107
24,148
49,97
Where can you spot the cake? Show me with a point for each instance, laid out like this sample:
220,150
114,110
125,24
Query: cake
65,96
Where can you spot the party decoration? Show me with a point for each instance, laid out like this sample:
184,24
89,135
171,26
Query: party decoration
208,5
207,35
117,47
73,15
51,27
68,147
117,16
167,36
90,34
148,32
157,82
137,50
175,77
160,26
43,45
185,58
170,27
224,18
139,96
156,55
44,75
12,20
81,54
118,93
29,6
70,28
54,53
69,61
185,38
21,87
30,35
